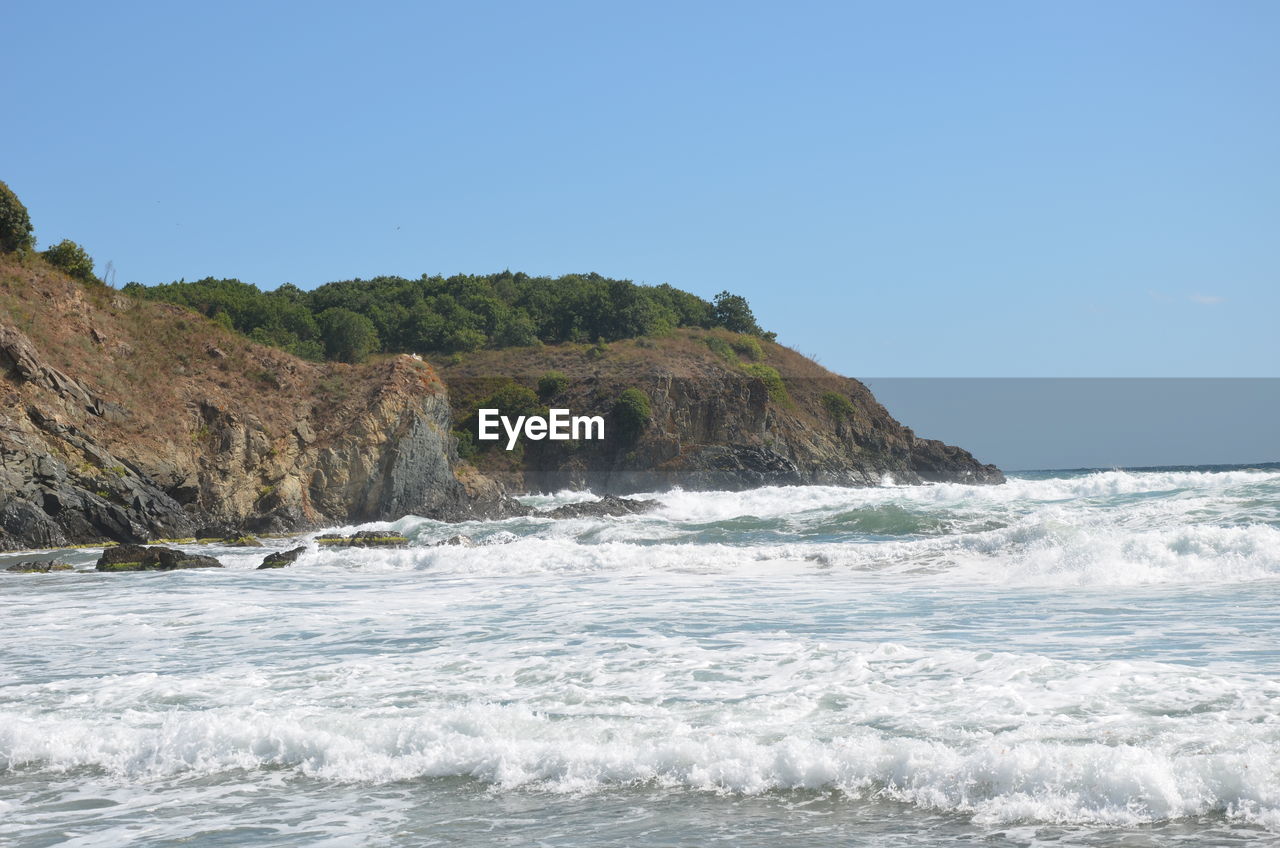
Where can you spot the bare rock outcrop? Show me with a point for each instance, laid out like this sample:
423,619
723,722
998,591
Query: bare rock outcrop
143,439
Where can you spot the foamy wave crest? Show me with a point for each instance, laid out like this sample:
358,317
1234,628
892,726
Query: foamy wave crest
513,747
1044,549
789,500
1048,550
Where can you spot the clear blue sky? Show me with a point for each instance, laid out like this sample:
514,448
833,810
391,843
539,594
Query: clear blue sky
901,189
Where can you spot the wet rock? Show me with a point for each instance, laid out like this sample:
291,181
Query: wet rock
244,542
364,539
152,558
459,541
280,559
215,532
39,567
609,505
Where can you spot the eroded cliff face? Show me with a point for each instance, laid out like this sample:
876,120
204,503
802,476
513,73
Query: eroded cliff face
714,425
158,425
136,421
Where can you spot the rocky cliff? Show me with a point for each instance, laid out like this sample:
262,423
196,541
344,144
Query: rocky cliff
135,421
131,420
726,412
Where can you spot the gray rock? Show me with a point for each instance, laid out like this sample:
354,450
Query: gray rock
39,567
609,505
280,559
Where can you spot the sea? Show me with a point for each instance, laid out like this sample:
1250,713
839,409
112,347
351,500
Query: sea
1074,658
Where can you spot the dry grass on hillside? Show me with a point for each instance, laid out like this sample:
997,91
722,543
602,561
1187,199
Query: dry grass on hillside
683,354
161,361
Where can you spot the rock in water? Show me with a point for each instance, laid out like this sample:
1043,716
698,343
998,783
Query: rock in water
365,539
606,506
152,558
39,567
280,559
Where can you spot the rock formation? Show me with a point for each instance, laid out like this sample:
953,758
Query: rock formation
133,421
714,423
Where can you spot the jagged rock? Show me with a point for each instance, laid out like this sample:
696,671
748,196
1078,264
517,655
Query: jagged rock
364,539
69,474
607,506
151,558
282,558
39,567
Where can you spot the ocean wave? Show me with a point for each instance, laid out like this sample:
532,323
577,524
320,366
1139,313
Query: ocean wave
514,747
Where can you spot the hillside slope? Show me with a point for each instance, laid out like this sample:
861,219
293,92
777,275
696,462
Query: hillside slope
133,420
727,412
127,420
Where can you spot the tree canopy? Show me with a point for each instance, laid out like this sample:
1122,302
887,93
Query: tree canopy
15,223
453,314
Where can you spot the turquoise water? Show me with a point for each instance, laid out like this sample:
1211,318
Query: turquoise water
1075,658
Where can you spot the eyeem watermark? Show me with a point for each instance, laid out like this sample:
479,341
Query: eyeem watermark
558,426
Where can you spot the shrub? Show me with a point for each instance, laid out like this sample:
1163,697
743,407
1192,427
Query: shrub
513,400
748,348
551,384
772,380
467,448
15,223
721,348
631,412
70,257
837,405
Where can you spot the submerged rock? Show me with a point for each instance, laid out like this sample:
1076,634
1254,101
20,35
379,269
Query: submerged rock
152,558
39,567
607,506
280,559
459,540
364,539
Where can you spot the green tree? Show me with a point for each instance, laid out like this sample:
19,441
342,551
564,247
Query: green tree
15,223
732,312
631,412
348,336
70,257
464,339
514,329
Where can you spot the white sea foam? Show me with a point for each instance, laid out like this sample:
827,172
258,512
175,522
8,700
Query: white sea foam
1089,650
1003,737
